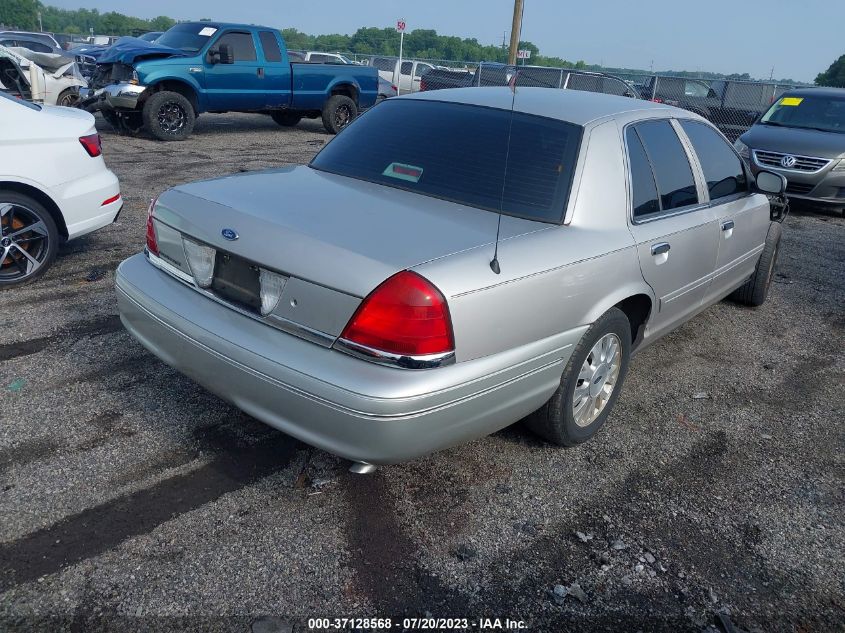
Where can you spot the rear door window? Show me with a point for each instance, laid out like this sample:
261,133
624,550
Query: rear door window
722,167
243,48
272,52
643,188
672,171
462,153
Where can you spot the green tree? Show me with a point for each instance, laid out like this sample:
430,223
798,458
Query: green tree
833,76
21,14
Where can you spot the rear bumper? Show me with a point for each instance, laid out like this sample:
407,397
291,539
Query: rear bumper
325,398
81,202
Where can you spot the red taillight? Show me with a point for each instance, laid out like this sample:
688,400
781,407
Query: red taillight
92,144
657,100
152,241
405,315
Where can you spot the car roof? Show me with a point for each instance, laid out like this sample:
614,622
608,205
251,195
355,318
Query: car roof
231,25
575,106
820,91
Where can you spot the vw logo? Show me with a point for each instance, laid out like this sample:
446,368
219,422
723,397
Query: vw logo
230,234
787,161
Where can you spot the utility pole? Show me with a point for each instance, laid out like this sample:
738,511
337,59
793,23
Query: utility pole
40,25
516,30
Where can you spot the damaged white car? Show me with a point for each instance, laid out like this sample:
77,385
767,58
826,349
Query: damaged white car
44,78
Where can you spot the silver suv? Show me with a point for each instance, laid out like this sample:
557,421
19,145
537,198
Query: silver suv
802,136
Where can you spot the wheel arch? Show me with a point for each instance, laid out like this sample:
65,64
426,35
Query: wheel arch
39,195
347,88
638,309
187,90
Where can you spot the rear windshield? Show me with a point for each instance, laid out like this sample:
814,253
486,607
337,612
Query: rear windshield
461,153
815,112
189,37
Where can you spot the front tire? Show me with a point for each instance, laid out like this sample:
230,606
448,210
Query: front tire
29,239
755,291
169,116
286,118
590,384
68,98
338,112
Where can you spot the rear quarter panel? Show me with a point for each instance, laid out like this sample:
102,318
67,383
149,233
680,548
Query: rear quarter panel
557,279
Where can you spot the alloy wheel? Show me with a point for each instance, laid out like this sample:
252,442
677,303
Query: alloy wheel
342,116
171,118
24,242
597,379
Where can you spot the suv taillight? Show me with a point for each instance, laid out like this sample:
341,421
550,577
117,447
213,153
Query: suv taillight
405,315
92,144
152,241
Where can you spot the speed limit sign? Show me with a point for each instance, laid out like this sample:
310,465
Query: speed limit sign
400,26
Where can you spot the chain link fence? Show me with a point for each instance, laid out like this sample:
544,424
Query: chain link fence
731,105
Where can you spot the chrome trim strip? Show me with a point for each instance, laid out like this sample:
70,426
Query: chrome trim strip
379,357
276,322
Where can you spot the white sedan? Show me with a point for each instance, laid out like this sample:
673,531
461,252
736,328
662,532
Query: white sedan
54,185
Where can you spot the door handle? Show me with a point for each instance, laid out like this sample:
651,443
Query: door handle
727,225
260,72
660,249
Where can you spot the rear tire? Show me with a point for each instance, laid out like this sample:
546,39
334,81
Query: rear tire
755,291
582,402
169,116
25,255
286,118
338,112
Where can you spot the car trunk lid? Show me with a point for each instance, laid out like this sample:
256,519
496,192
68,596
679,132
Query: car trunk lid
331,230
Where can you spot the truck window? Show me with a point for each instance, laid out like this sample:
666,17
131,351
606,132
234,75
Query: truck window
406,68
383,63
421,69
696,89
722,167
752,95
242,45
272,52
317,58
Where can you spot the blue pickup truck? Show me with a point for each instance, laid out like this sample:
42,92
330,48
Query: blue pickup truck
198,67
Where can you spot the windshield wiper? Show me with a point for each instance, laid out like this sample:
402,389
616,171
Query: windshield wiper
774,123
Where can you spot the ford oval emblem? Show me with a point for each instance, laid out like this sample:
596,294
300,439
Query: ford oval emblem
230,234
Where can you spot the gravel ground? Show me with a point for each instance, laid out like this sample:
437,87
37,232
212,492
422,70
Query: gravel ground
132,499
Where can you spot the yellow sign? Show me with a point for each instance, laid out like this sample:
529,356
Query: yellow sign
791,101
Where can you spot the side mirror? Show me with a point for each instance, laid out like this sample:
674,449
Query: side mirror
224,51
770,182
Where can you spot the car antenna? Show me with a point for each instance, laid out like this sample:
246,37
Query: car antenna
494,263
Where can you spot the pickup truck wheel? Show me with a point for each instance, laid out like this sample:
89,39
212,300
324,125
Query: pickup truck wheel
755,291
286,118
28,239
338,112
590,384
169,116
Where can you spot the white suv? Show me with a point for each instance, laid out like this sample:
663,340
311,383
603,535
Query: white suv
54,185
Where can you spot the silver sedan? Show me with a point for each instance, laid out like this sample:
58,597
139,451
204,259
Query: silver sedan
451,263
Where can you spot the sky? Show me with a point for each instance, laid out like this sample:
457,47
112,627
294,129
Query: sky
799,39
